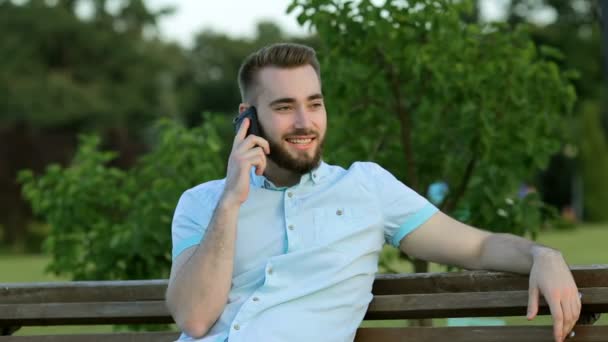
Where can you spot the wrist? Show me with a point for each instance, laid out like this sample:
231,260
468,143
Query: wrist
539,251
228,202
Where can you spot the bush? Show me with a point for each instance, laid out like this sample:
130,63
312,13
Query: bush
107,223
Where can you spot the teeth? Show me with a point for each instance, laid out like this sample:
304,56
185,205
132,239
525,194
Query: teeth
300,141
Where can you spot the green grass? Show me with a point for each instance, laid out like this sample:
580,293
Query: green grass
582,246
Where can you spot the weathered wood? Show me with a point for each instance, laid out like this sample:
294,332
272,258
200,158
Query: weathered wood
436,305
435,295
84,313
471,304
479,334
114,337
83,291
452,334
474,281
142,290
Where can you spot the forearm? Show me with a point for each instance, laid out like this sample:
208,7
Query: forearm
510,253
199,291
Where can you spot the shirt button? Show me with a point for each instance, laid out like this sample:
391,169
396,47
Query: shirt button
290,227
236,327
269,270
290,194
339,212
255,299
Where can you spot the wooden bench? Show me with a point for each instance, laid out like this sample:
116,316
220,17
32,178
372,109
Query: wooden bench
398,296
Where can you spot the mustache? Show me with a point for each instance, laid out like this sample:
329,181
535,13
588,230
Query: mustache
302,131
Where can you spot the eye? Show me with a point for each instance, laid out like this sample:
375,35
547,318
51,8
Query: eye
282,108
317,105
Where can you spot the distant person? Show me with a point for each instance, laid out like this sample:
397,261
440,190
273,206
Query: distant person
286,246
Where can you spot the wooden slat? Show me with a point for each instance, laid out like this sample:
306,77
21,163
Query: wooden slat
83,291
470,304
438,305
142,290
452,334
84,313
115,337
479,334
474,281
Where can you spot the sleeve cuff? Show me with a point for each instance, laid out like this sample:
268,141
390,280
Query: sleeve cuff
413,222
182,245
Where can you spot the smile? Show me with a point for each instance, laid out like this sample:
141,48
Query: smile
301,143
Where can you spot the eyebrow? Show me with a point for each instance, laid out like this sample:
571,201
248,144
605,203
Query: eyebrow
292,100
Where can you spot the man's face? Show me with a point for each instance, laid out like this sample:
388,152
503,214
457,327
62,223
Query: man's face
292,116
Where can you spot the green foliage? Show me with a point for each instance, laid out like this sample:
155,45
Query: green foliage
594,162
108,223
576,32
432,97
60,70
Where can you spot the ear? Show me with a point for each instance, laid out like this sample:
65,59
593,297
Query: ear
243,107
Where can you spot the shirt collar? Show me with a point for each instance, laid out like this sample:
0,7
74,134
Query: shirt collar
315,177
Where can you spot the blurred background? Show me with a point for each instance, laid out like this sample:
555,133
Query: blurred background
79,78
110,109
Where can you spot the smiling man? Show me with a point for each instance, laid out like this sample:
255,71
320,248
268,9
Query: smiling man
285,247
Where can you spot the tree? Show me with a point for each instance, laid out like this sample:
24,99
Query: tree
435,98
575,30
62,74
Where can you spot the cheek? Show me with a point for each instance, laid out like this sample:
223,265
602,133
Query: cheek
321,123
277,127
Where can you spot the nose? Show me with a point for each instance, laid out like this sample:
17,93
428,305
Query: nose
302,119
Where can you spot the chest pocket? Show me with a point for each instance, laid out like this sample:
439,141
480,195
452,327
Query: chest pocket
347,228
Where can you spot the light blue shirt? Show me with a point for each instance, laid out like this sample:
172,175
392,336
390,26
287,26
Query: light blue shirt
306,256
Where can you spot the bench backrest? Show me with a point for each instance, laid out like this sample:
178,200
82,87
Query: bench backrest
396,296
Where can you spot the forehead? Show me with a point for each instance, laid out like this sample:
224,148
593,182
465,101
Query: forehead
299,83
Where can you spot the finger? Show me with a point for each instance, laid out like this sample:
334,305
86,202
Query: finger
242,132
252,141
575,309
532,302
260,164
254,152
256,157
568,317
261,167
558,317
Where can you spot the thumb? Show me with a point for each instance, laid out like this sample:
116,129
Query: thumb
532,302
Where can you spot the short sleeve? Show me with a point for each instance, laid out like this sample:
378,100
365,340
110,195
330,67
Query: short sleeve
190,220
403,209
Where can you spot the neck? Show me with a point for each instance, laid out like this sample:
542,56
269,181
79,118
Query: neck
280,177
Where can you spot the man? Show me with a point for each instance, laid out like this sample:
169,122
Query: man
285,248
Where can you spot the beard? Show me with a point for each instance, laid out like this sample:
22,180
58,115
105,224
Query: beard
284,159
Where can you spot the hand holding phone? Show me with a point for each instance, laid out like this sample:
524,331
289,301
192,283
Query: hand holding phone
248,150
252,114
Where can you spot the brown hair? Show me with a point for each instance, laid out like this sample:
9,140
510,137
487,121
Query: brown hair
284,55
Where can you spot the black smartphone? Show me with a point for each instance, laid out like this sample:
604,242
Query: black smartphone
252,114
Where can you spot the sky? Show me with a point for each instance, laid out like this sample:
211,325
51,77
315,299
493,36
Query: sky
238,18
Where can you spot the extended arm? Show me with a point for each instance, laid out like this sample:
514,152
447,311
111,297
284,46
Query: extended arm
444,240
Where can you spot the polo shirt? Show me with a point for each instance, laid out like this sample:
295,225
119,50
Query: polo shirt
306,255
